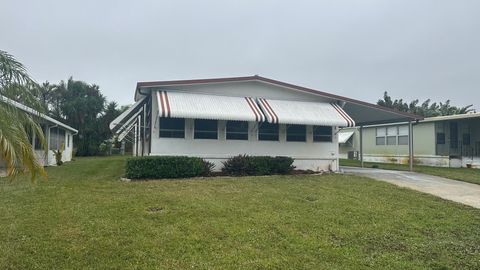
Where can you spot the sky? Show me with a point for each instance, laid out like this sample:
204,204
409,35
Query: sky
414,49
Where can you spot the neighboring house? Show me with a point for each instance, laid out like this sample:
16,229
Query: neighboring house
216,119
447,141
56,134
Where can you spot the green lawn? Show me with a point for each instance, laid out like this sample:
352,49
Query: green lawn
84,217
462,174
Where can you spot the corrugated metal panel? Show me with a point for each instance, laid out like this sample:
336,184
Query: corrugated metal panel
343,136
198,106
126,115
125,132
304,113
129,123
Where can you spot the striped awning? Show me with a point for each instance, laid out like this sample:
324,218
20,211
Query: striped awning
199,106
305,113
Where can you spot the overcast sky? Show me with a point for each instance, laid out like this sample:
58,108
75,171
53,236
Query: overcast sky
413,49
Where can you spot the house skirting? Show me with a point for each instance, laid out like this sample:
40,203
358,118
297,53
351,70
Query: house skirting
427,160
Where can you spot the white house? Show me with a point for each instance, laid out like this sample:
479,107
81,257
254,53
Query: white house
219,118
56,134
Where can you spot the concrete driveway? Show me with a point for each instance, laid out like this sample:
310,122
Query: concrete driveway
448,189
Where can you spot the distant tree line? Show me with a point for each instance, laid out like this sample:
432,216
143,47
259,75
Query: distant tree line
82,106
426,109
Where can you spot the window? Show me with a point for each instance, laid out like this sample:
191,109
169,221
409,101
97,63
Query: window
57,138
440,138
296,133
68,140
393,135
237,130
268,132
206,129
403,135
322,134
466,139
381,133
172,127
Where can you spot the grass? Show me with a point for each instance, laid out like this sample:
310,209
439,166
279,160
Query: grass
461,174
84,217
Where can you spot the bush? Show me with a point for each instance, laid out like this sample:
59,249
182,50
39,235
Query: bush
208,168
283,165
242,165
164,167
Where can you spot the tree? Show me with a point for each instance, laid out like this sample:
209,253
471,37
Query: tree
81,105
426,109
109,114
17,126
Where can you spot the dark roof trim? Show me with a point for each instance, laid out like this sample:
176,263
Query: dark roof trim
279,83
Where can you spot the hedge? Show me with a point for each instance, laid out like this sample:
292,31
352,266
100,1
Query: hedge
154,167
242,165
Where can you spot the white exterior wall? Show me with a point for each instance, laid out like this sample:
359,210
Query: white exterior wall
309,155
67,152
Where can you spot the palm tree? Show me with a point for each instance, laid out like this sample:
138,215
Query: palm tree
16,125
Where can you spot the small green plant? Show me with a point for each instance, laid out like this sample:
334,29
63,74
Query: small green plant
105,148
208,168
58,155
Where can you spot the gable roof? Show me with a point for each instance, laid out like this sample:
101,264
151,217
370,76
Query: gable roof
353,106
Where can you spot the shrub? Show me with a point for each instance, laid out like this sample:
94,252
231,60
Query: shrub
208,168
164,167
283,165
242,165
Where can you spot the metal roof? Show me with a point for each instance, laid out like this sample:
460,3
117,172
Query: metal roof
451,117
199,106
304,113
35,112
363,113
126,116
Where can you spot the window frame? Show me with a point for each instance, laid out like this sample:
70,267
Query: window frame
317,137
292,137
171,130
391,135
382,137
444,139
197,132
268,126
237,135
